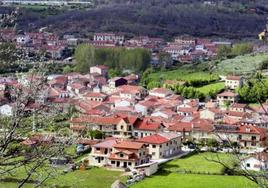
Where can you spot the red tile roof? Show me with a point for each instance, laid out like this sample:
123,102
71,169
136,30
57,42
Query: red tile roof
153,139
128,145
233,78
227,94
148,124
130,89
238,105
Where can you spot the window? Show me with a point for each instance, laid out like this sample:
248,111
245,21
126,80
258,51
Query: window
122,127
248,165
98,149
129,163
153,153
154,146
113,162
121,155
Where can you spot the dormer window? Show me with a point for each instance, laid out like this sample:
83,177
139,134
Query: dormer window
121,155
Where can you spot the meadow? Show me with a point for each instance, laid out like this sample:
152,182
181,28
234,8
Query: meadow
241,64
214,87
172,174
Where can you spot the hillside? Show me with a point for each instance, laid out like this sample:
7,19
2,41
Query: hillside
241,64
156,18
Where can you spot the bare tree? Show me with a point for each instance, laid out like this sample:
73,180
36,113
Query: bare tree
32,160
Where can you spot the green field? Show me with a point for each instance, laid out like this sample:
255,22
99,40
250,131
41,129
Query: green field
241,64
171,176
182,74
92,178
173,180
200,163
211,87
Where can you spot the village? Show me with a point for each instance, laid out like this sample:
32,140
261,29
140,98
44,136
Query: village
141,128
184,49
135,124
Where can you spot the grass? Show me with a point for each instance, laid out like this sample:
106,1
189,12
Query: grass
92,178
211,87
169,177
199,163
182,75
173,180
241,64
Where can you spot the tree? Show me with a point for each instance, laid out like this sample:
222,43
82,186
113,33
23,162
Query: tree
32,162
113,73
85,57
95,134
153,84
224,51
241,49
165,60
67,69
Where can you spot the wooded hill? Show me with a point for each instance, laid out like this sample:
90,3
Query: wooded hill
242,18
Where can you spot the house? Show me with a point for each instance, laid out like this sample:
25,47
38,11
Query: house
92,96
233,82
165,113
198,130
132,79
146,107
247,136
187,111
147,126
256,162
76,88
100,152
59,82
53,93
227,97
213,114
117,81
128,154
116,126
238,116
238,107
185,40
162,145
113,83
160,92
131,92
99,69
109,37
